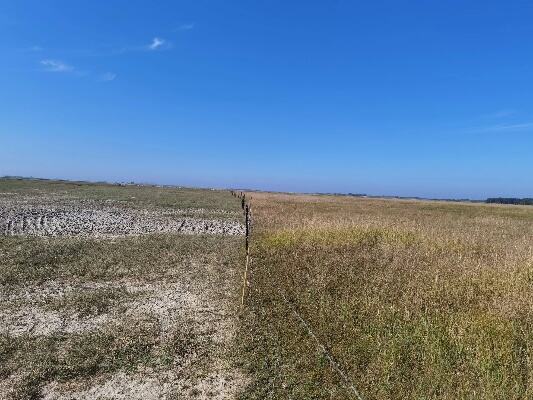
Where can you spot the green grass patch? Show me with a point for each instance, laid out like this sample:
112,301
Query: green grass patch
405,315
150,257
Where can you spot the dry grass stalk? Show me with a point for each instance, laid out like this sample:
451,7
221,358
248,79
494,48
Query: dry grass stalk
415,299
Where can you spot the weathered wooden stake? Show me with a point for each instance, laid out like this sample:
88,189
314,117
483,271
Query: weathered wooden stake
245,279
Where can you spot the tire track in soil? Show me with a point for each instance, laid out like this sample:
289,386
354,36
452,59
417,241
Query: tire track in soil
109,222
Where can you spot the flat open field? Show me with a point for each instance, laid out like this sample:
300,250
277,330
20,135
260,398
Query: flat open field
118,292
134,293
387,299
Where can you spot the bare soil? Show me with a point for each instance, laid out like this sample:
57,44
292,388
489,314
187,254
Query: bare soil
20,217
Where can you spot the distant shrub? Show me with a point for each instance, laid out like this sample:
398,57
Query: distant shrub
511,200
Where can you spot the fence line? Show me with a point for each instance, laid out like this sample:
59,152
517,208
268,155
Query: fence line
247,209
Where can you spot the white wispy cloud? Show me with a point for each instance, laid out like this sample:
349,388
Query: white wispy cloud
107,77
56,66
51,65
158,43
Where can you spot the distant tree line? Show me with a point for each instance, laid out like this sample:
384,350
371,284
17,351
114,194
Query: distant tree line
510,200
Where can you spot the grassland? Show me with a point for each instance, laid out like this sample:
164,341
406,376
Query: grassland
147,316
412,299
130,195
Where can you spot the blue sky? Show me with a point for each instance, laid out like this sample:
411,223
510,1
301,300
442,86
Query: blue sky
385,97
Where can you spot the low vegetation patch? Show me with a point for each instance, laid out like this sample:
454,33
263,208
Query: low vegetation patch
38,260
422,303
121,346
90,302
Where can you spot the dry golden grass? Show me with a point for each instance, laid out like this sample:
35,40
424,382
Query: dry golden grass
414,299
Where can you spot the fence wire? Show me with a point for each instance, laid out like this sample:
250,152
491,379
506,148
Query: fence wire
347,383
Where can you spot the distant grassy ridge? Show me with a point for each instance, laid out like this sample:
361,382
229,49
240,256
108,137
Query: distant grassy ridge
134,196
415,300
